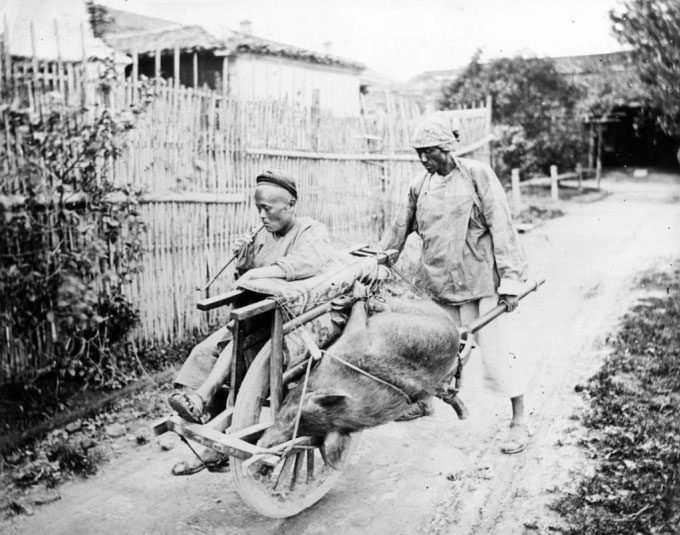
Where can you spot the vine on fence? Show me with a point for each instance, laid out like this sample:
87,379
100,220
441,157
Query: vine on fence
71,241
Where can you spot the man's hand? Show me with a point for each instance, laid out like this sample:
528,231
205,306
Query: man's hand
241,242
510,301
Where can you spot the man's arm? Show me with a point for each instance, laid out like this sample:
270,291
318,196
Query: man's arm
404,221
264,272
507,248
309,255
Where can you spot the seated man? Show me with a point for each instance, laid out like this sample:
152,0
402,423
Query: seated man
293,248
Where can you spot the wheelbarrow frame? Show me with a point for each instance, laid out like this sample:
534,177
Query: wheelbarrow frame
245,314
257,322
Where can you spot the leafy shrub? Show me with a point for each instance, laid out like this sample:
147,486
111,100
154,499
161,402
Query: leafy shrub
72,241
635,431
55,458
535,112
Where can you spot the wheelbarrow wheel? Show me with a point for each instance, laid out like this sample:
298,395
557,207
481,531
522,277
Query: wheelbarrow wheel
297,482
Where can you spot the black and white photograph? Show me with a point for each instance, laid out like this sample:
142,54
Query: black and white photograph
328,267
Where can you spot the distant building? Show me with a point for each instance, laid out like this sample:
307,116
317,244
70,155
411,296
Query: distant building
239,64
50,32
591,68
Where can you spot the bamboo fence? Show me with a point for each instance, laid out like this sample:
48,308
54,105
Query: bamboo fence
196,154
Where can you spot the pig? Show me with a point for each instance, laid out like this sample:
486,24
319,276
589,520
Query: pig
413,345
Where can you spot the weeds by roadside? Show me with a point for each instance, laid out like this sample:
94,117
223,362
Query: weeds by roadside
635,429
29,403
31,475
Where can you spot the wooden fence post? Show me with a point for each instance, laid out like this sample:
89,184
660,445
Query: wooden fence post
9,85
316,118
195,70
516,193
598,165
579,174
554,186
135,75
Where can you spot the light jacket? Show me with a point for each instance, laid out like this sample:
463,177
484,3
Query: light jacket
304,251
470,247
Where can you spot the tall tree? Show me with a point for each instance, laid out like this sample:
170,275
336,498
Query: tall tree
534,111
652,29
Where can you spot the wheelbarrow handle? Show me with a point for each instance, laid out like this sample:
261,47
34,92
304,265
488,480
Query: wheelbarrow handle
492,314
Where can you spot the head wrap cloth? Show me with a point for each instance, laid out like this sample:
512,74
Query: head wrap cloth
439,129
280,179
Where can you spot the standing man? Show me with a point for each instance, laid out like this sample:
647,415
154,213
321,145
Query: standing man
471,258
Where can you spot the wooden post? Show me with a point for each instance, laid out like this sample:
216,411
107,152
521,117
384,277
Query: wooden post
60,66
579,174
34,53
83,49
225,76
175,69
195,79
8,54
554,191
276,362
135,75
316,118
3,82
598,167
591,146
234,379
87,98
516,193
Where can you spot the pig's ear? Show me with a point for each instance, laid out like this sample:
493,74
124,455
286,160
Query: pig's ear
335,449
330,397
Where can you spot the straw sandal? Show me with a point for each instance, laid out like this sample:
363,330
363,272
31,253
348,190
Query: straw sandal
516,439
187,467
188,406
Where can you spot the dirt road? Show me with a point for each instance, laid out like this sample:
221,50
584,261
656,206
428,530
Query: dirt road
436,474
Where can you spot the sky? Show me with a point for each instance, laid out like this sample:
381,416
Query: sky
402,38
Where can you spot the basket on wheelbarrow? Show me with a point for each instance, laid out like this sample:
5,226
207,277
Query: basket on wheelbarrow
283,480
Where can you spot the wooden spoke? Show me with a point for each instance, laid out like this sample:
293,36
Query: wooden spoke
275,487
287,464
310,464
297,468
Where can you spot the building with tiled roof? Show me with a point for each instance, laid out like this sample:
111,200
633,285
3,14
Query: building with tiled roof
239,64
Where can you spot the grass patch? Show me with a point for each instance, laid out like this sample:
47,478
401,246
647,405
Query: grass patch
635,424
55,458
28,403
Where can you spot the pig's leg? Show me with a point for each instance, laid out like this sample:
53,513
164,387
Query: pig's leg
357,319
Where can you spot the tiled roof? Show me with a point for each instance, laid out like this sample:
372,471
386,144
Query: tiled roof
182,37
128,32
246,43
